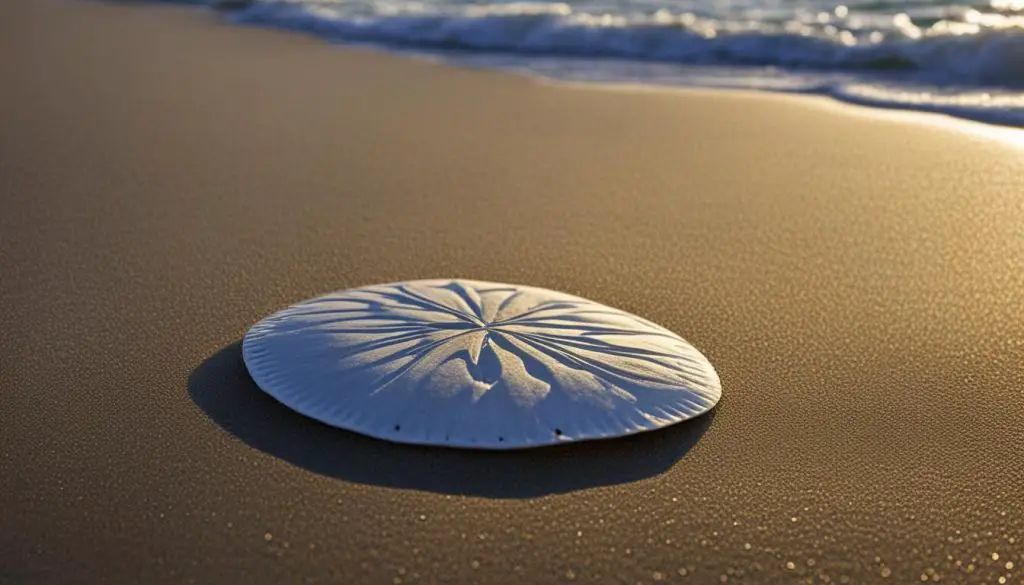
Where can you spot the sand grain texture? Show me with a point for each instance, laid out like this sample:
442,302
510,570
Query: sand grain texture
166,181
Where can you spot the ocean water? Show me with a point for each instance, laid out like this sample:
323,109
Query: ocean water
953,56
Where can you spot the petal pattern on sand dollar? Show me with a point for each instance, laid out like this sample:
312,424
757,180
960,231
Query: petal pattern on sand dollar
477,364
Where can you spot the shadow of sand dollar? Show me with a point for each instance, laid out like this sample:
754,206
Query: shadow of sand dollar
222,388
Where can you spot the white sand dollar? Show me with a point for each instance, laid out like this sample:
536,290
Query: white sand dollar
477,364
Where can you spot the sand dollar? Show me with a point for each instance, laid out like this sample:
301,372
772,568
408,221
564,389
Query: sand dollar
472,364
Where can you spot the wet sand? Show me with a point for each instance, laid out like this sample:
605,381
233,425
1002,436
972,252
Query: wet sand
166,181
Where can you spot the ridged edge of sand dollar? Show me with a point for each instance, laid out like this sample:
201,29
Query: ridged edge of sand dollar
473,364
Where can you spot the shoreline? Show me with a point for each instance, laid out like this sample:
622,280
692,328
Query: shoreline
519,64
1008,135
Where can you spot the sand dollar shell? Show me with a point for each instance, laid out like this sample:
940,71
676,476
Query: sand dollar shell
474,364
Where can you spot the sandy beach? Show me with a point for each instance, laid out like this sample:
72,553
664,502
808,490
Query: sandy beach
166,180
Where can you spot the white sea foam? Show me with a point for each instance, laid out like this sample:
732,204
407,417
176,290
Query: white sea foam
927,54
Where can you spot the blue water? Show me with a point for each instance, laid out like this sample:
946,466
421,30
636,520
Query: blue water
941,55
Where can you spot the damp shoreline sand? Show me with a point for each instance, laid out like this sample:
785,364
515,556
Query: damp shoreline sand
167,181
